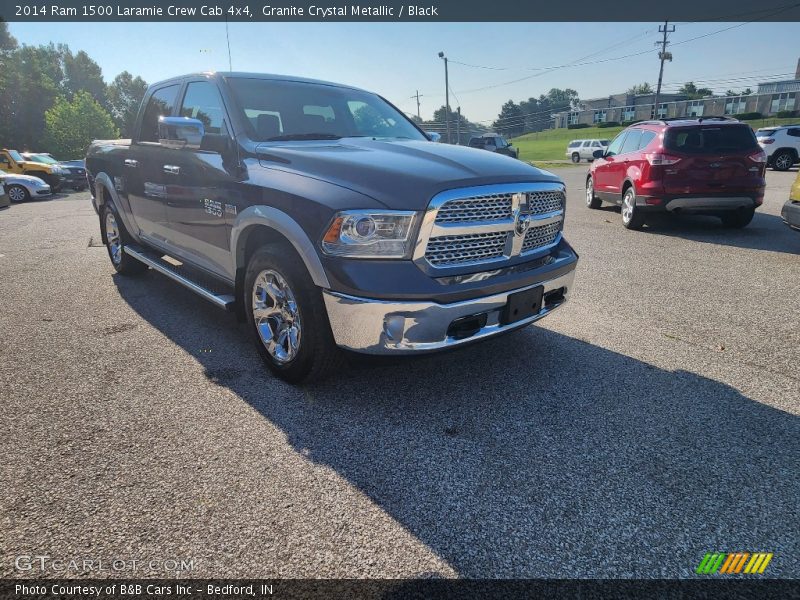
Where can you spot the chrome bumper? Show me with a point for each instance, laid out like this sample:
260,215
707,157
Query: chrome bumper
398,327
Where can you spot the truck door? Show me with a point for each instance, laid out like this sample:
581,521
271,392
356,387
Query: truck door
200,191
143,177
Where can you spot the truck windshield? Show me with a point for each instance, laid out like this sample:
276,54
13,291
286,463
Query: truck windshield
41,158
16,156
289,110
710,140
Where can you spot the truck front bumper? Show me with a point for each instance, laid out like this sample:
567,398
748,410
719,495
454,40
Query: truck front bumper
409,327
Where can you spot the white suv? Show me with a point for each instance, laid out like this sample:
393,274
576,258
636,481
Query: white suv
578,149
782,145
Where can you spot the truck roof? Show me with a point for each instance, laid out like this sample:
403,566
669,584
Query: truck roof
247,75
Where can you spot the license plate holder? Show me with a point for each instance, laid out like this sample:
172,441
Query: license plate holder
522,305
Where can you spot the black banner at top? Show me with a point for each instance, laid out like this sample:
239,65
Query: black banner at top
397,10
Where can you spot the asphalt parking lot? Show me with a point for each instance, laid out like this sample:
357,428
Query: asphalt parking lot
649,421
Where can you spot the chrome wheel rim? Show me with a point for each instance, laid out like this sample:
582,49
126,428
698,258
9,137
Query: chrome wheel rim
627,206
783,161
276,316
113,239
589,191
16,194
576,158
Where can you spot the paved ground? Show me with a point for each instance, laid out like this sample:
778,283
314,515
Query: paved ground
653,419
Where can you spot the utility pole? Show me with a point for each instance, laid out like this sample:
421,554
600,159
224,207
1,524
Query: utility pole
458,125
663,55
446,97
419,116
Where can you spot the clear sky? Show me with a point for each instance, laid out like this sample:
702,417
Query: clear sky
396,59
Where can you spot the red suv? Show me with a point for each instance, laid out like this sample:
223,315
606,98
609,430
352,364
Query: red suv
710,166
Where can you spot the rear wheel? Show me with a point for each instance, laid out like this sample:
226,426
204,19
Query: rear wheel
17,193
287,317
116,238
783,161
631,218
592,201
576,158
738,219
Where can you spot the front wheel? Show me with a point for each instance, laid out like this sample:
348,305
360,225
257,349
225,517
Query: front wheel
738,219
631,218
17,193
592,201
576,158
287,317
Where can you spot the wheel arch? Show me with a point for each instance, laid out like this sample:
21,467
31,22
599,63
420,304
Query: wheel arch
258,225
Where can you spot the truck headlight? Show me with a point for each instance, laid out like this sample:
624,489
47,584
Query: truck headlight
370,234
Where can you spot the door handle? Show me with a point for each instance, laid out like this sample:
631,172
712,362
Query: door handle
172,169
130,162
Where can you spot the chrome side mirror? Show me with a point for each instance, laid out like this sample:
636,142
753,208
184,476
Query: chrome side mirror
433,136
180,133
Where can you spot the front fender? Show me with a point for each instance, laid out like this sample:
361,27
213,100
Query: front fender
279,221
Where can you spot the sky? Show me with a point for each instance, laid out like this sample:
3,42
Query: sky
398,59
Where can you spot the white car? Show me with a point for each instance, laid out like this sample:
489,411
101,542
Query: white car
782,145
584,149
24,187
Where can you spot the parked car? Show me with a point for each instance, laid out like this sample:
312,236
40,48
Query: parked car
584,149
24,187
74,175
4,200
494,143
325,229
791,210
12,161
711,166
781,144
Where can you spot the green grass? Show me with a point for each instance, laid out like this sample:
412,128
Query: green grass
552,144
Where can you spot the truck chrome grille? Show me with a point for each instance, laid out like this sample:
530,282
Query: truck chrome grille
455,249
493,223
481,208
544,235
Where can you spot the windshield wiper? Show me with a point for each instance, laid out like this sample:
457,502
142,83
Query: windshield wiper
289,137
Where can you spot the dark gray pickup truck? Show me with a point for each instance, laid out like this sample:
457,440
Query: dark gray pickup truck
328,220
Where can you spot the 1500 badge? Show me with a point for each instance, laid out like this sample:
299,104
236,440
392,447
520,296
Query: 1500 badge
213,207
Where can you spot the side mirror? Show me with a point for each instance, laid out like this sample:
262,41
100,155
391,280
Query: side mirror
433,136
180,133
599,153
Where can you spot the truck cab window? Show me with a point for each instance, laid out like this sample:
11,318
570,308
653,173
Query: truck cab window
160,104
202,101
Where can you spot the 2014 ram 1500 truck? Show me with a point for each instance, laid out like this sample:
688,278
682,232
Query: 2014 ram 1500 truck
328,220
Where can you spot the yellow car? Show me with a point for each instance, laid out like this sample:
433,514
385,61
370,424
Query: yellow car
791,210
12,161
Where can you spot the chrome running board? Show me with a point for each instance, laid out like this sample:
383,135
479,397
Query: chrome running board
155,262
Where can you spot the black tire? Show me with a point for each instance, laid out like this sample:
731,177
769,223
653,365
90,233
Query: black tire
576,158
738,219
123,263
783,160
631,218
592,201
18,193
316,355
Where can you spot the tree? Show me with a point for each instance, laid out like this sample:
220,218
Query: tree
82,73
7,41
640,88
692,92
510,121
124,97
745,92
70,125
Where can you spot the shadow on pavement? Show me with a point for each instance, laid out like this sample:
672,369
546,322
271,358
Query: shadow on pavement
532,455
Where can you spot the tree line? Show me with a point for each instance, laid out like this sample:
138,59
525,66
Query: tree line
54,100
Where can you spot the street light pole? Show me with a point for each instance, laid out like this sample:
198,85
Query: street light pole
446,97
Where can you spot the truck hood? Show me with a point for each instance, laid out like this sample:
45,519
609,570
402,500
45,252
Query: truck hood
400,174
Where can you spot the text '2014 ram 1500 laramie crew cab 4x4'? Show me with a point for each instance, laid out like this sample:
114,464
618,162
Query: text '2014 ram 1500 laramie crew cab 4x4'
328,220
